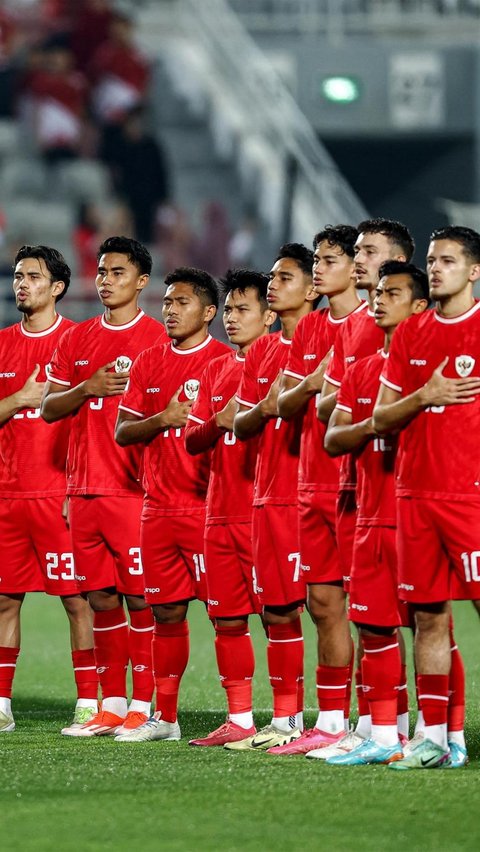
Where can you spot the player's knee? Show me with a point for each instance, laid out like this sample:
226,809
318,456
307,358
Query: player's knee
431,620
10,605
172,613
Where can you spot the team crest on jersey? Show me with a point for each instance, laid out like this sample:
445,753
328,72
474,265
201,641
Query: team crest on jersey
48,369
464,365
123,364
191,388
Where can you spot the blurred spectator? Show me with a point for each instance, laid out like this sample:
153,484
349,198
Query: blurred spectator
211,248
8,72
140,173
54,99
87,236
174,237
90,29
120,75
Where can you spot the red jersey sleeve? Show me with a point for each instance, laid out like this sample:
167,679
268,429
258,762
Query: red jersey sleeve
346,393
133,399
60,370
336,366
248,391
393,373
295,365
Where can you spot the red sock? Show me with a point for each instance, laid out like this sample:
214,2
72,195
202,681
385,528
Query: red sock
402,706
140,649
381,666
433,698
8,662
170,650
332,687
236,664
85,672
285,665
456,689
348,693
110,636
362,703
300,693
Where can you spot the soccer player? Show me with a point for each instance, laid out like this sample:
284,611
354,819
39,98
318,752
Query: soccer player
89,371
315,334
280,579
36,545
164,383
378,240
228,541
374,606
430,390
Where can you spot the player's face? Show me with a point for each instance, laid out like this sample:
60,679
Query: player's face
33,286
183,311
244,318
118,280
289,288
393,301
333,270
449,269
371,250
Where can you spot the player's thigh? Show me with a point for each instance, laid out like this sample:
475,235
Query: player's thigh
459,523
190,535
121,532
317,536
94,562
53,546
19,566
423,566
373,582
276,553
230,575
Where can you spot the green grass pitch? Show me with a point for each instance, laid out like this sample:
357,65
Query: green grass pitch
64,794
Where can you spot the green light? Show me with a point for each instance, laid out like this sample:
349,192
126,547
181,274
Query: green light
340,90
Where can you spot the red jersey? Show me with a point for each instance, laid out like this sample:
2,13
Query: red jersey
358,338
174,481
439,448
376,459
314,335
276,476
96,463
32,453
232,472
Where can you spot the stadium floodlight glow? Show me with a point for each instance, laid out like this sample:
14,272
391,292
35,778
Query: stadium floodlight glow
340,90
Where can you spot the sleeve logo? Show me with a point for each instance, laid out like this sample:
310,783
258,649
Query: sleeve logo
464,365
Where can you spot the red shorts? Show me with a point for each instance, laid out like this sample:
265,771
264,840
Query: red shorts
438,550
173,558
36,548
230,574
373,581
346,523
106,543
280,579
318,538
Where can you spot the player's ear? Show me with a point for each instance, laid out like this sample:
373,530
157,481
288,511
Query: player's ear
209,313
269,318
142,281
312,294
474,272
57,288
419,306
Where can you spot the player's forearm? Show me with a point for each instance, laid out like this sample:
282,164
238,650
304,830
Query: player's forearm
200,437
129,432
249,423
340,440
325,406
392,416
293,400
57,405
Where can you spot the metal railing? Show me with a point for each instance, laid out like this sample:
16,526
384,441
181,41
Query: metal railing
298,185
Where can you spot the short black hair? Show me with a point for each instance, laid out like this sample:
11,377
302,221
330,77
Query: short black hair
54,261
343,236
137,253
419,277
201,282
298,252
245,279
466,237
396,233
